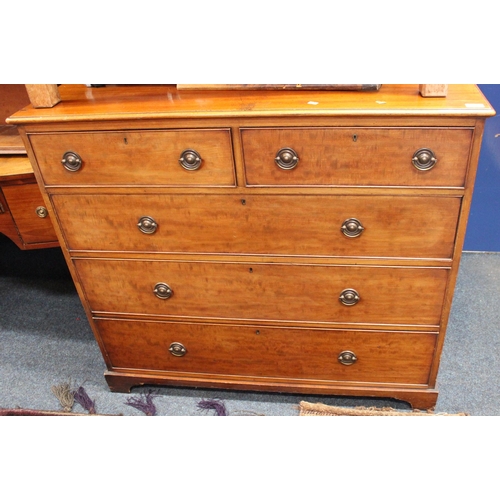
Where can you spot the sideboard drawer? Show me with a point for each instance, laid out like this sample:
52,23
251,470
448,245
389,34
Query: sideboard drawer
356,156
369,226
31,216
387,357
279,292
199,157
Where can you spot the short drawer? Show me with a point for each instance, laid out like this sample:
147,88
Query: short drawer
356,156
274,292
31,217
367,226
322,354
201,157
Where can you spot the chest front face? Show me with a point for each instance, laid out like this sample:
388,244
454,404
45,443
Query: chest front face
291,253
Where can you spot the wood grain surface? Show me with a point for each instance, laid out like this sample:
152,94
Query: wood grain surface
273,292
23,201
250,224
10,141
260,351
138,157
132,102
356,156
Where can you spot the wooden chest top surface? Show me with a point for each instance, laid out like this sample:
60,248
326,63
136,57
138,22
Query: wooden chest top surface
118,102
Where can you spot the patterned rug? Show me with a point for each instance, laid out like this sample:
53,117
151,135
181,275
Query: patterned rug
322,410
22,412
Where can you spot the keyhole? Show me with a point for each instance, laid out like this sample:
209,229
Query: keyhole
125,140
243,202
354,137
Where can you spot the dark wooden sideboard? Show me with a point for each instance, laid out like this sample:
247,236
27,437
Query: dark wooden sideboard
294,241
23,217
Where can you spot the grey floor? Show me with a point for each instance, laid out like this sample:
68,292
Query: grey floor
45,340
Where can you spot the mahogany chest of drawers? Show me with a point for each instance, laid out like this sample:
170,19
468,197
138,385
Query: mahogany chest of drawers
288,241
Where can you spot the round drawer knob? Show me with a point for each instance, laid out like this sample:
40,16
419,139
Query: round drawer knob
71,161
177,349
286,158
349,297
190,159
347,358
352,228
163,291
147,225
42,212
424,159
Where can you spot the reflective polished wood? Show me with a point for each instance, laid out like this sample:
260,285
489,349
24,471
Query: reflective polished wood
297,241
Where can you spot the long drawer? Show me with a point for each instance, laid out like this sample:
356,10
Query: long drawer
356,156
257,351
257,291
368,226
147,157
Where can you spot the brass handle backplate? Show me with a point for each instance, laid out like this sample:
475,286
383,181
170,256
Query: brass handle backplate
177,349
163,291
352,228
424,159
349,297
147,225
190,159
347,358
71,161
42,212
286,158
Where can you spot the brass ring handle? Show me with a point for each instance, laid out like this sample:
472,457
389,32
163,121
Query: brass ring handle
71,161
163,291
347,358
424,159
42,212
352,228
286,158
147,225
349,297
190,159
177,349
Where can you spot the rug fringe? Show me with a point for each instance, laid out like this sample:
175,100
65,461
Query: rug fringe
322,410
65,395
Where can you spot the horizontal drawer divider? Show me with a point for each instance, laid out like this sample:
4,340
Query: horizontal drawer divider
327,190
273,261
321,325
334,260
282,325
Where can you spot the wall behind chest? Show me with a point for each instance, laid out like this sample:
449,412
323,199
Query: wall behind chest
483,229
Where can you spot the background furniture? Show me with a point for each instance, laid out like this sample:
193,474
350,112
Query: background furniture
274,241
23,217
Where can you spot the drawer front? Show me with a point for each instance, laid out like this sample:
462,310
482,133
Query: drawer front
280,292
138,158
355,156
24,201
386,357
418,227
